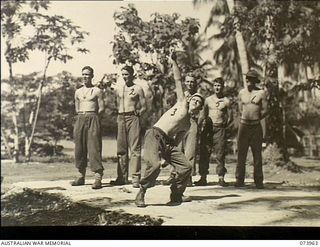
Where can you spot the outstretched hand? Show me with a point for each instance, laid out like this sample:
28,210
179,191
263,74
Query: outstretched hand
172,54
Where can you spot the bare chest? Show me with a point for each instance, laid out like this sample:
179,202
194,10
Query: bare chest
129,93
217,104
86,94
253,98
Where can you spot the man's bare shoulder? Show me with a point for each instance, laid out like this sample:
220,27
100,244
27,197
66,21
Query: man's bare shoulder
138,87
227,100
77,91
242,90
97,89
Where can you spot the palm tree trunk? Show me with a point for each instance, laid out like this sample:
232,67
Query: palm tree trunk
240,44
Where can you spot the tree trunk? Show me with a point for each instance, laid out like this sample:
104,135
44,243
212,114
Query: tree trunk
28,153
283,143
240,44
14,117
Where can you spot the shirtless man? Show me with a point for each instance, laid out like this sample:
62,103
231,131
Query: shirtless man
253,108
161,142
87,130
131,102
216,119
189,142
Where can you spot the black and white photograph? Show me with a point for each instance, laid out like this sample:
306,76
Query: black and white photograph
183,119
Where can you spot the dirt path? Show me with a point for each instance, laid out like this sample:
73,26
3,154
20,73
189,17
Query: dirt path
277,205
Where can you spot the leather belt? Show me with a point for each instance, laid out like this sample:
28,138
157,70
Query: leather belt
86,112
129,113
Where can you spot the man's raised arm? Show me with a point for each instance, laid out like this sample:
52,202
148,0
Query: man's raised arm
177,76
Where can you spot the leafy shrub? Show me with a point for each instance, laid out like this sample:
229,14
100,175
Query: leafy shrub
272,154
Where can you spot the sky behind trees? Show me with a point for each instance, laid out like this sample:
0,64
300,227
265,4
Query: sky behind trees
96,17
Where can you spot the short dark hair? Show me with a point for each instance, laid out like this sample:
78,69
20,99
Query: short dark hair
88,68
129,69
191,74
253,79
219,80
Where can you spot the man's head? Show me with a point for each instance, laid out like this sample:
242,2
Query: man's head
127,74
87,75
191,83
252,78
196,103
218,85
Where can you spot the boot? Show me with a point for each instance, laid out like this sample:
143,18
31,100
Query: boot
170,179
222,183
260,185
118,181
202,181
97,182
140,198
189,183
80,180
136,182
239,183
177,199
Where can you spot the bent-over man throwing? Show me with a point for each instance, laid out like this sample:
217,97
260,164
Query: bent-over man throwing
253,108
161,142
89,106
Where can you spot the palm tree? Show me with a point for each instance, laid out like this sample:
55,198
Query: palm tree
232,54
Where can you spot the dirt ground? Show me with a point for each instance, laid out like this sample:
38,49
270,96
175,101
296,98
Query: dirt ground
289,199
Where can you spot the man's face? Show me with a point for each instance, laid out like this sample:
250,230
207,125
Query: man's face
127,77
250,81
195,104
217,87
87,77
190,83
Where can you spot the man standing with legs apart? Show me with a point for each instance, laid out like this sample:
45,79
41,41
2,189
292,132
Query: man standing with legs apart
87,129
253,108
131,102
161,142
215,120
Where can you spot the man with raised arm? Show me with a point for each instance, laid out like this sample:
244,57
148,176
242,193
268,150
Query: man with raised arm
253,108
189,142
216,118
131,105
89,106
161,142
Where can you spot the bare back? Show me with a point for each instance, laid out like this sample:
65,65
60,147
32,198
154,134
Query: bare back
175,120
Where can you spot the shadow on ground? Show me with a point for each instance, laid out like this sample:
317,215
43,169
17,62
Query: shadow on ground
298,207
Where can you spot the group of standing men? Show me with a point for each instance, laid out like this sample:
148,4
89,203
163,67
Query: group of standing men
173,137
